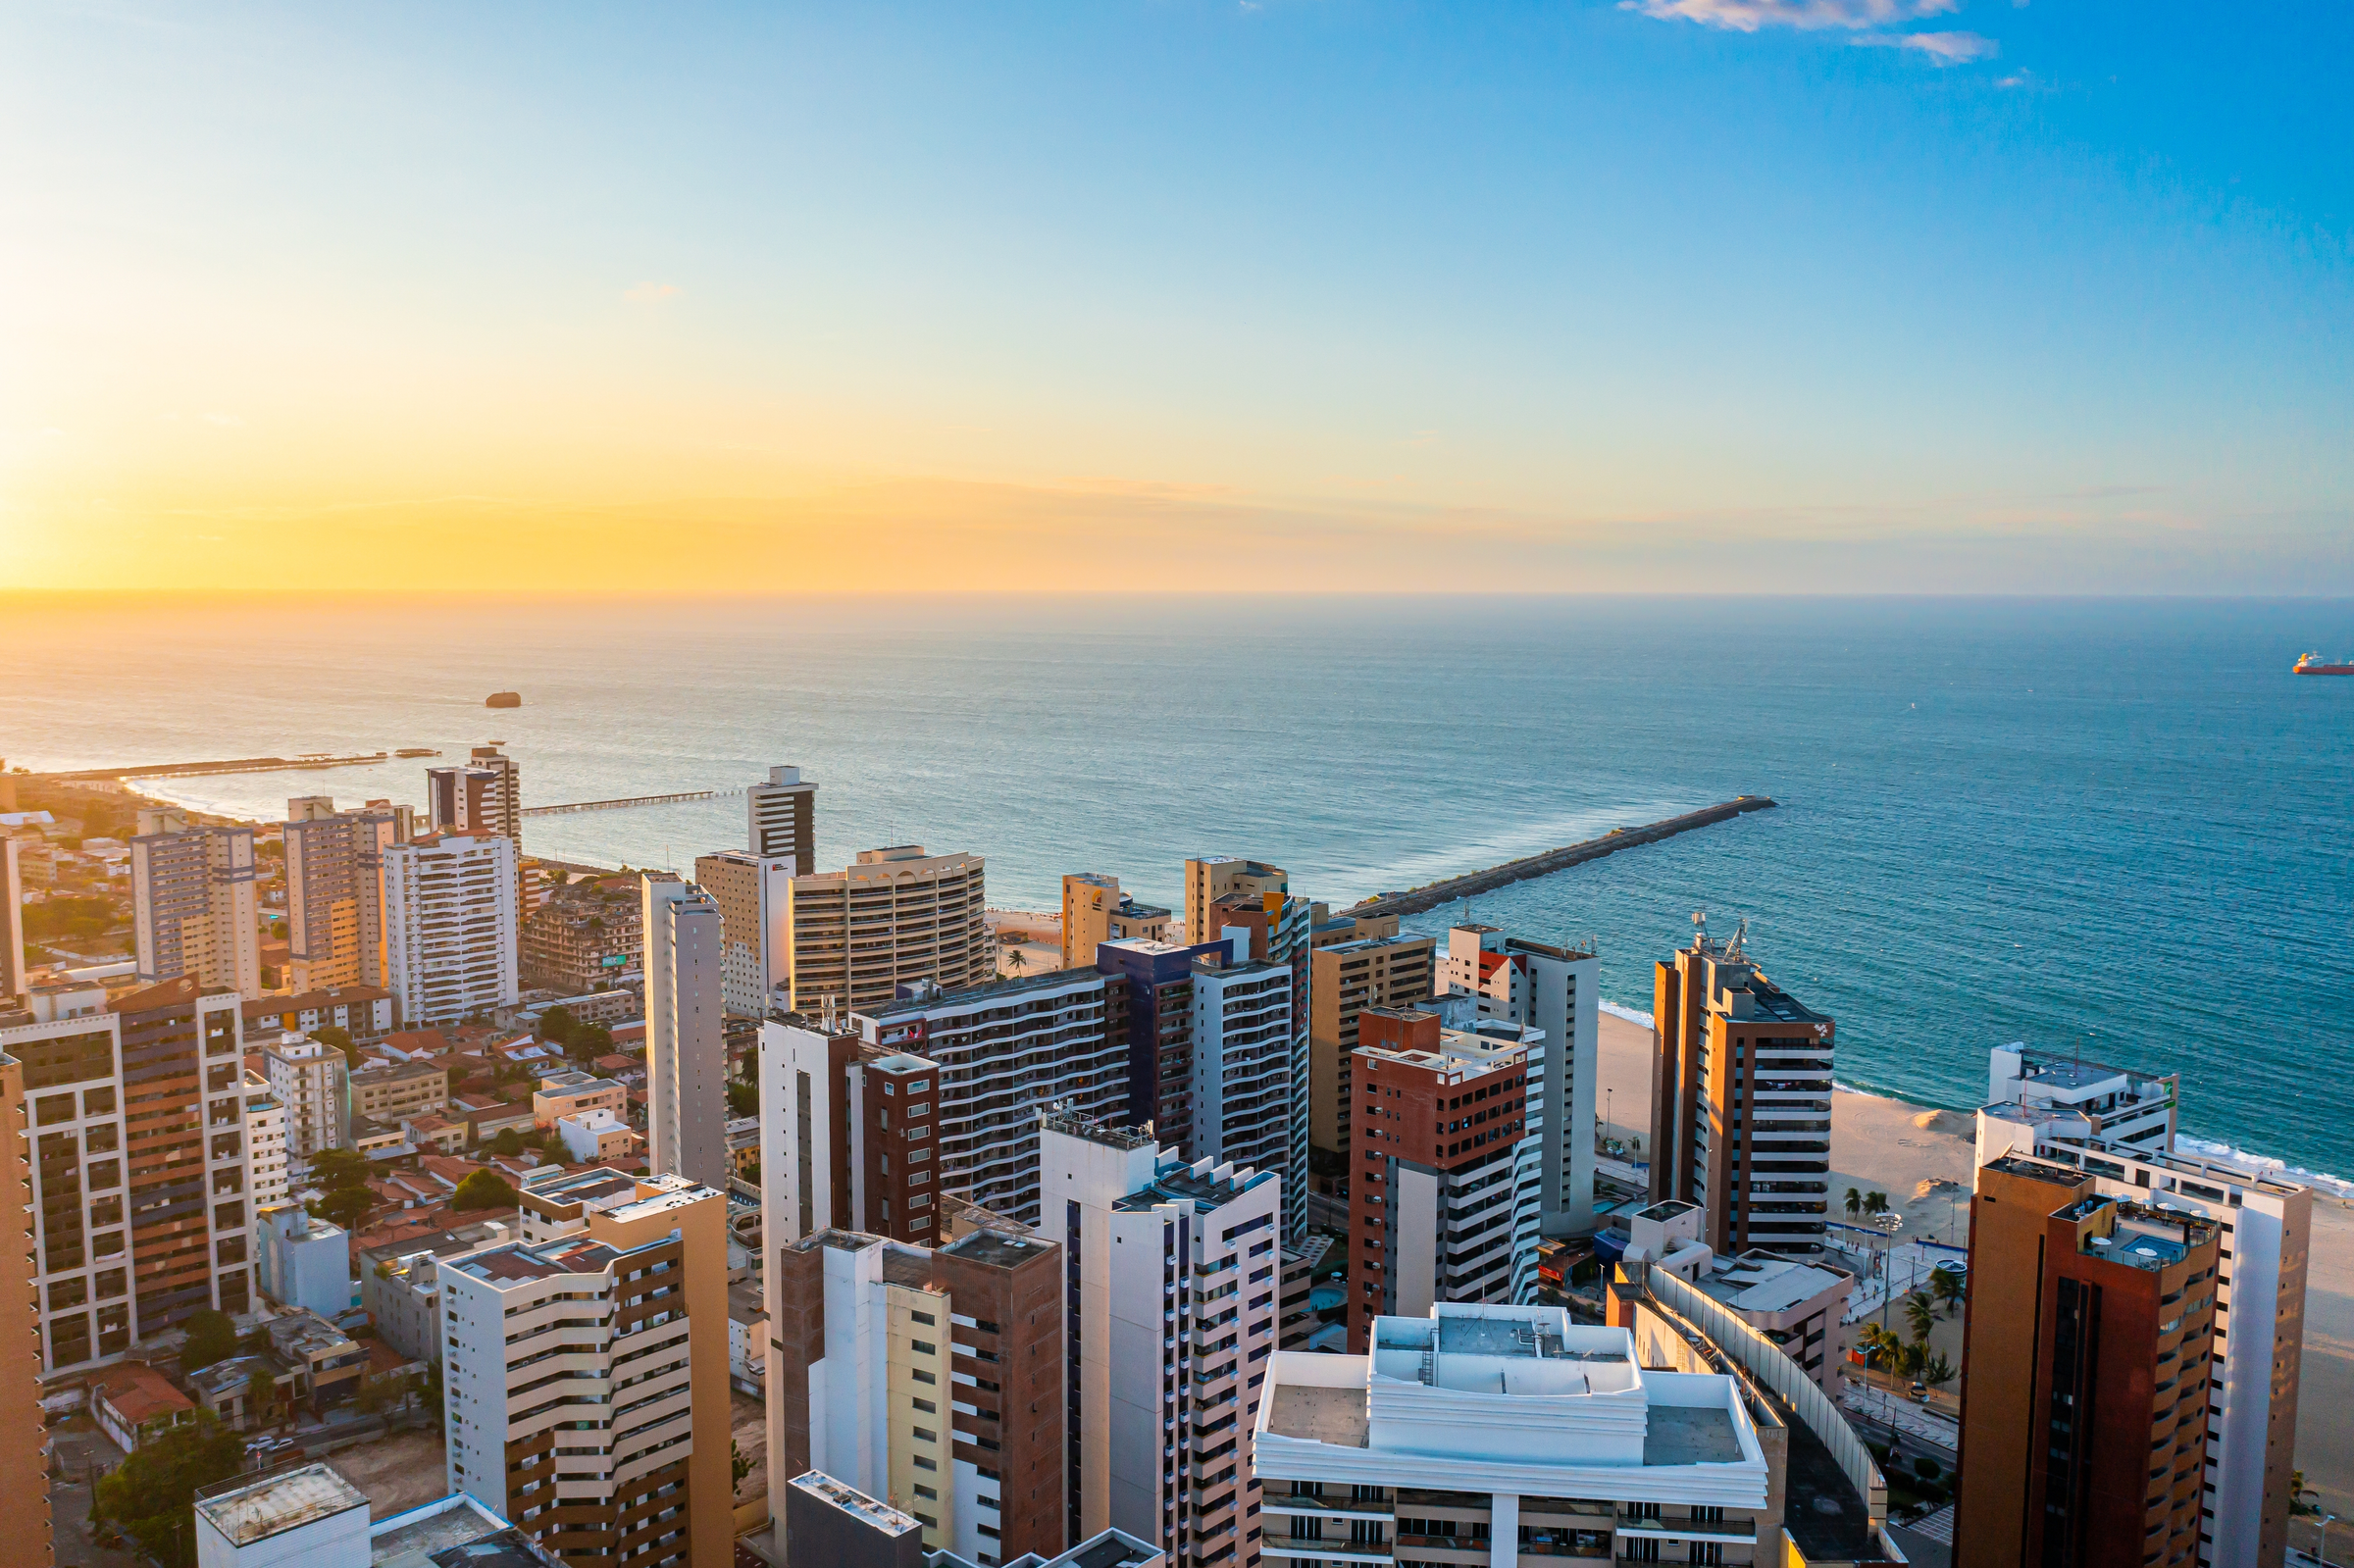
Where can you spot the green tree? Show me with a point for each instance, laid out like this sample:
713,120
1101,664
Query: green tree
1946,1286
1937,1370
1854,1200
261,1395
588,1041
428,1390
556,1024
483,1190
152,1494
738,1465
332,1168
1875,1203
1927,1468
508,1142
744,1100
345,1206
211,1336
1921,1315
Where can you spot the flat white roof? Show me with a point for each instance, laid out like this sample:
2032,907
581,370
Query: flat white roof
280,1503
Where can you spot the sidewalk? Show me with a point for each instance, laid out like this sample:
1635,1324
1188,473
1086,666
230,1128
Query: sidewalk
1884,1410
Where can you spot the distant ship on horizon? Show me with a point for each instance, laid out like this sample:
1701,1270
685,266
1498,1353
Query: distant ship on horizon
2314,664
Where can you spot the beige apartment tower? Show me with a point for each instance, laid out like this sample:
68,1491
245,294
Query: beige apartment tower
1345,978
1095,911
23,1460
616,1450
1215,876
193,903
893,917
752,891
335,892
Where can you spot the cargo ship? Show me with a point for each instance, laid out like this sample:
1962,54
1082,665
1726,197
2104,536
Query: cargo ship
2314,664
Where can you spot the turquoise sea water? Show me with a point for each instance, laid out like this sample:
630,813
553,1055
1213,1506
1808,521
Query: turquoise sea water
2118,827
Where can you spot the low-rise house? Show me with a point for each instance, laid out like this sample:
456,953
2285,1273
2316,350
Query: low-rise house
747,1338
596,1138
434,1132
303,1261
744,1144
328,1362
399,1090
402,1297
416,1044
377,1141
573,1094
132,1404
227,1389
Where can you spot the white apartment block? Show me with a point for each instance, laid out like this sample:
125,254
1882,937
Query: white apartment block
312,1082
1006,1052
686,1051
753,892
2061,1111
193,903
266,1144
1559,991
452,926
587,1372
796,1135
894,917
1503,1436
1171,1302
485,796
1241,1065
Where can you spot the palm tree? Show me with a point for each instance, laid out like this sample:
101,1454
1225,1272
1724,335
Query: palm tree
1854,1200
1921,1315
1015,963
261,1395
1946,1286
1912,1358
1937,1370
1875,1203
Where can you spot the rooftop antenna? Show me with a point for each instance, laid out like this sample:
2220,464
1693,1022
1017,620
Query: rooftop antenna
1700,930
1733,949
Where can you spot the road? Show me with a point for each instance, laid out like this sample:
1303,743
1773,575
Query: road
80,1448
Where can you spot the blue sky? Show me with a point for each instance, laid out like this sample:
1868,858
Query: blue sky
1369,295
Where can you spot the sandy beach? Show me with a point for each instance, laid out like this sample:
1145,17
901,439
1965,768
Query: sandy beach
1920,1157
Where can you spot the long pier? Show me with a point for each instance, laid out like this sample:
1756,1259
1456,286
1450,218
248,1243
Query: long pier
1432,895
190,770
625,802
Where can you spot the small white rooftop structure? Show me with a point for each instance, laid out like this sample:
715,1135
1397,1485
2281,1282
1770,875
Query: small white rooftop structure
1508,1400
308,1515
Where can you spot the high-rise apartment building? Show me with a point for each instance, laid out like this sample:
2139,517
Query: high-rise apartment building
1556,991
1741,1100
1241,1065
894,917
1346,976
781,818
1095,911
451,926
1443,1184
2087,1377
2101,1123
1170,1287
1160,978
753,892
24,1439
485,796
930,1377
141,1212
193,903
1281,931
586,1370
12,918
268,1180
312,1081
1211,878
335,892
1003,1053
686,1051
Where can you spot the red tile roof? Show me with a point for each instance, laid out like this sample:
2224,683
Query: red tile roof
139,1394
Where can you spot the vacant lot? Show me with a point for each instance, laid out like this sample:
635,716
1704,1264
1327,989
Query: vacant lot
397,1473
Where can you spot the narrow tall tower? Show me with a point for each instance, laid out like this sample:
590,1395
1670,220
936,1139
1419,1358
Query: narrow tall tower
783,818
193,906
685,1050
12,919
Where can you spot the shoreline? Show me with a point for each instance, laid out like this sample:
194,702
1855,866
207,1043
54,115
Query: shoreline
1906,1150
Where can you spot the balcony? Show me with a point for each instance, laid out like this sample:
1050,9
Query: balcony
1288,1549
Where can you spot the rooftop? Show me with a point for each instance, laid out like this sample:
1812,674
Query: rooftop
1119,1137
1759,1281
455,1532
999,993
996,1249
1199,1183
255,1510
881,1515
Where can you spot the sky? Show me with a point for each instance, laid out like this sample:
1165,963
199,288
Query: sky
1236,295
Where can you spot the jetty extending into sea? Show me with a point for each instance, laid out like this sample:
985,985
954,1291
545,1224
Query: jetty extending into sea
1430,897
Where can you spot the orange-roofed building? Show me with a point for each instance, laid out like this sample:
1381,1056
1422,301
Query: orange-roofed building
133,1402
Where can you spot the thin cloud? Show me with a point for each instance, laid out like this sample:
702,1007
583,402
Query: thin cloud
224,420
1944,48
1807,16
648,293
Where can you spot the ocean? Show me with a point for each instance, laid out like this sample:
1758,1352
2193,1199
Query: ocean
2113,828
